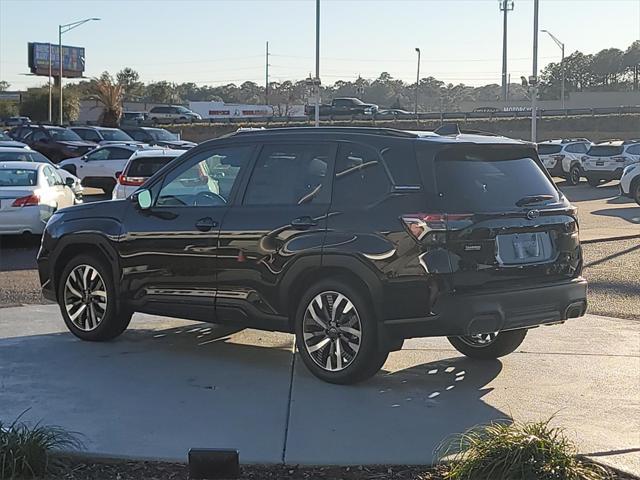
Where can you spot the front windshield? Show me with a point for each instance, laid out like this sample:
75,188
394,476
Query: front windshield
161,134
115,136
64,134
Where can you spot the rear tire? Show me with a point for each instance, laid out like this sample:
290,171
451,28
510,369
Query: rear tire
503,344
575,172
87,300
635,192
351,333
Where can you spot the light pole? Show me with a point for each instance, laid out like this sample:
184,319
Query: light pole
505,6
317,79
64,29
561,45
417,82
533,81
50,87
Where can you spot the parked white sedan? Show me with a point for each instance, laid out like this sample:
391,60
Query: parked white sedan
29,195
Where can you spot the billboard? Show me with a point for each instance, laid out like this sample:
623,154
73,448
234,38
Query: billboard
72,60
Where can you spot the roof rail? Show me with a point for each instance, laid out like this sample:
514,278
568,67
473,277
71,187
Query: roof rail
392,132
453,129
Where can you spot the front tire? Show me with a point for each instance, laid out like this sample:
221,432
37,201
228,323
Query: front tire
489,345
87,299
337,335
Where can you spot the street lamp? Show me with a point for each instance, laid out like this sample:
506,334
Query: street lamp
533,79
417,81
561,45
64,29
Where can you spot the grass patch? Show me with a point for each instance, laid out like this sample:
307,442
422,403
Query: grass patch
24,449
516,451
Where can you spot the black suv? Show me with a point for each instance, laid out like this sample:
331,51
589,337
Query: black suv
352,238
157,136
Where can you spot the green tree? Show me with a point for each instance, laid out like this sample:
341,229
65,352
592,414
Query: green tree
161,92
8,109
35,104
109,94
631,63
4,85
607,66
129,79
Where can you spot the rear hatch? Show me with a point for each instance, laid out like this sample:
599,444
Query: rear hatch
604,157
138,170
506,223
550,154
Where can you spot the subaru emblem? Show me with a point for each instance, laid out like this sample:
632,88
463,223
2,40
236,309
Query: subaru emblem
531,214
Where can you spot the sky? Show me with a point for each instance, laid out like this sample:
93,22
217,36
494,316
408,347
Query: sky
216,42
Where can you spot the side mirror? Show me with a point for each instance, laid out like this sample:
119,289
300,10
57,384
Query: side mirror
69,182
143,199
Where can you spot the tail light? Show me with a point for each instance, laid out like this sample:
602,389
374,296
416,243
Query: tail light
28,201
619,159
131,181
557,158
421,224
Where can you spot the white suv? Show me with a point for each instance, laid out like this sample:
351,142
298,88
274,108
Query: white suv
142,165
630,182
172,114
606,161
562,157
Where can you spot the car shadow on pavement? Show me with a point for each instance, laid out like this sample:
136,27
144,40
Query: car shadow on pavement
217,386
630,214
585,193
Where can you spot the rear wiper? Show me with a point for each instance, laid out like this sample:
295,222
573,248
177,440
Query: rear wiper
531,199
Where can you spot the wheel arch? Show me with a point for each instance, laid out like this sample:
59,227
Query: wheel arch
80,244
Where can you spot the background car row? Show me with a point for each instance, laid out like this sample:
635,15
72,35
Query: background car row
574,158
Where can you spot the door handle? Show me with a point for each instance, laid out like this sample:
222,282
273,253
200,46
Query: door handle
303,222
206,224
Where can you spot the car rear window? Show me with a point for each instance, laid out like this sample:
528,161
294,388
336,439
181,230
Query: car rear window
604,151
17,177
548,149
146,166
115,136
472,180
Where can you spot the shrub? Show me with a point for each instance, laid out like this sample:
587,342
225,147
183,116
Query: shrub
516,451
24,450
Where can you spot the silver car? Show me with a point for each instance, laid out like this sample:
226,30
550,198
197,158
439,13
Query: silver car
14,154
29,195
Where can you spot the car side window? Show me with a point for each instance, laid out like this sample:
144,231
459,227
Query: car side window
38,136
139,136
205,180
89,135
116,153
360,178
634,150
52,178
291,175
99,154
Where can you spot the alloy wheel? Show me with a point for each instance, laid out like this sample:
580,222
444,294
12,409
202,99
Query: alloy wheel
85,297
332,331
575,176
479,340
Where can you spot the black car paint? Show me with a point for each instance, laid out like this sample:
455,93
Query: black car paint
57,150
253,263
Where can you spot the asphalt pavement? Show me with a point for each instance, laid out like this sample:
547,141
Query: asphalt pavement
168,385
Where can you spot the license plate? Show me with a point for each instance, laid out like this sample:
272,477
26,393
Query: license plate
600,164
522,248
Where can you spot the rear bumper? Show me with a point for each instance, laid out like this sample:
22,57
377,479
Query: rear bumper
556,170
604,174
495,311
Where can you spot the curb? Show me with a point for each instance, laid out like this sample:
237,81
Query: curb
610,239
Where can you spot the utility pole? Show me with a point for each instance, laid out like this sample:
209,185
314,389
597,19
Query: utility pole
266,83
505,7
533,81
417,82
50,87
317,79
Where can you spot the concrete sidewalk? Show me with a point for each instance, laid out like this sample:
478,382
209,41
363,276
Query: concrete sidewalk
167,385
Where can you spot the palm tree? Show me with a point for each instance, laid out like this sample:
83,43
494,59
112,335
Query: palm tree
110,95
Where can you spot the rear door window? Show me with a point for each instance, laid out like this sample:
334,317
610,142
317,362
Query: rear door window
291,175
473,180
360,177
400,159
